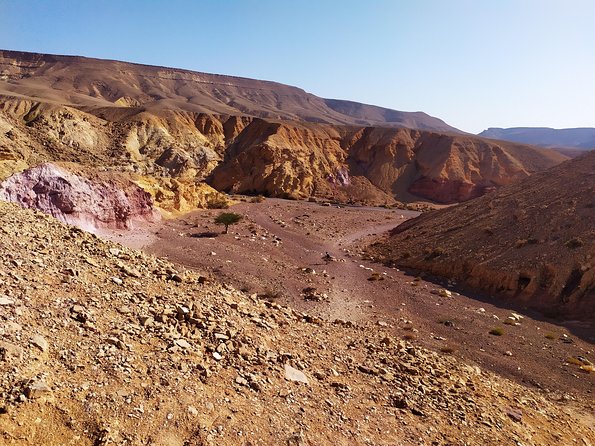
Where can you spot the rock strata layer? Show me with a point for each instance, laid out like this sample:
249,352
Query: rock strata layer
100,202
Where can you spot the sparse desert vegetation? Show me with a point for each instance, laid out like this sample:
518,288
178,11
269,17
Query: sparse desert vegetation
497,331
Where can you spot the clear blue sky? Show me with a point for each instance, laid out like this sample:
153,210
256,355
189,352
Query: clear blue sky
473,63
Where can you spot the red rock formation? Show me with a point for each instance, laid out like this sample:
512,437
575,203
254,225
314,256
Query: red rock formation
91,203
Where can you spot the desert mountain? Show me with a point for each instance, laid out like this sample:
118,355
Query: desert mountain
86,82
102,345
532,242
173,129
578,138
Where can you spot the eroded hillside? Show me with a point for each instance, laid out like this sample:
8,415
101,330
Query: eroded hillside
533,241
94,83
375,165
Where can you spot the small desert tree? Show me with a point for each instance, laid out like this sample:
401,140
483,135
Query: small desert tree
227,219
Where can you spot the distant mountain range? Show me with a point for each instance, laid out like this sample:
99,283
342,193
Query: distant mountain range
578,138
93,83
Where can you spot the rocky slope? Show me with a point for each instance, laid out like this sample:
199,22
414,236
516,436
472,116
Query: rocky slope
68,194
533,241
103,345
374,165
579,138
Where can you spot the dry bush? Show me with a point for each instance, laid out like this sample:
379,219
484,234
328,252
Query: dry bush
498,331
218,203
258,199
574,243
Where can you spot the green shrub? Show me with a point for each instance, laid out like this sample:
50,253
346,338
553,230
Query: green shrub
227,218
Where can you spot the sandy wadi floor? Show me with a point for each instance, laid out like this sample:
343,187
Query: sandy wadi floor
278,252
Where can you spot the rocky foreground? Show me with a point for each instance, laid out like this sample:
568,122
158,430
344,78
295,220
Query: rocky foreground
100,344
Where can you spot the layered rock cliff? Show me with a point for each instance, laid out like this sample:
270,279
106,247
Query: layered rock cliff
250,155
93,83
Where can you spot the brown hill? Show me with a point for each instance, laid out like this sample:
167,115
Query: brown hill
87,82
101,345
375,165
533,241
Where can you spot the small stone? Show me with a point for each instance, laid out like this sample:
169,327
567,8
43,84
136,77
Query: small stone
146,321
37,389
193,411
117,280
241,381
508,353
176,278
124,309
116,342
6,301
293,374
182,343
114,251
515,414
444,293
217,356
132,272
417,412
10,351
39,342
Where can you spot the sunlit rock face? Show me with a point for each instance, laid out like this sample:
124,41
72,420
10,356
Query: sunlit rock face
89,203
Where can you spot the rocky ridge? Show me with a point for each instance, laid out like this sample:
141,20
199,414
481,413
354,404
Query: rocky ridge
93,83
371,165
104,345
577,138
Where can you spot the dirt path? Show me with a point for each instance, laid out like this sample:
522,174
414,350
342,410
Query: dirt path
277,252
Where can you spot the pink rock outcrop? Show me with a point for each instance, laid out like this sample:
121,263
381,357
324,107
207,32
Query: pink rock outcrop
88,201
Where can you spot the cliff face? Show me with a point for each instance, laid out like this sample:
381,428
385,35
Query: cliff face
401,163
89,203
374,165
533,241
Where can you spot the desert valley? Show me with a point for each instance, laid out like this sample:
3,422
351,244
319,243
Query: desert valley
387,279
